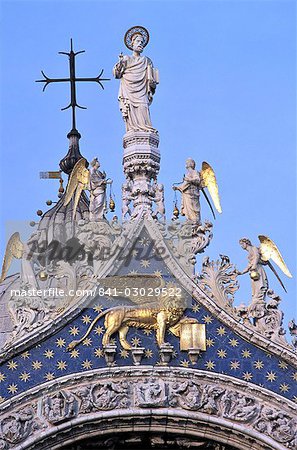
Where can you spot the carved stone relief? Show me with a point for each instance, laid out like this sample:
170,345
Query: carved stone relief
17,426
59,407
175,390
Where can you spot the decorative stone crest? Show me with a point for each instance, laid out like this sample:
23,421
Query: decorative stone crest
32,312
97,239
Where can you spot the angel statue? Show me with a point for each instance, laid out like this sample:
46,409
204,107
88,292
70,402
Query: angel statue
190,188
17,249
14,249
95,181
257,258
26,311
138,82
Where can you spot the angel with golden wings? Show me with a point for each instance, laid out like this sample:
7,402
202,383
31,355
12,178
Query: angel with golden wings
259,257
15,248
190,188
95,181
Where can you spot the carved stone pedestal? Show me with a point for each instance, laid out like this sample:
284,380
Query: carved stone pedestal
166,352
141,163
193,355
110,352
137,355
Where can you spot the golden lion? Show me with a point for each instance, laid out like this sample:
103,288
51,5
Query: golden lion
119,319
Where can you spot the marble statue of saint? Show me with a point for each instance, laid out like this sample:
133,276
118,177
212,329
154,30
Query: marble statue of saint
190,190
138,82
98,184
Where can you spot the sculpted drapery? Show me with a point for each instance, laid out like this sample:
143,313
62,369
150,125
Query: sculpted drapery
190,190
257,272
190,206
137,87
97,191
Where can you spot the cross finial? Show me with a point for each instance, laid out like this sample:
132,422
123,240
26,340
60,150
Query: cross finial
72,80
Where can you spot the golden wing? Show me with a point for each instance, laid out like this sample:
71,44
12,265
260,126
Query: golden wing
269,250
78,192
79,177
14,249
209,180
141,289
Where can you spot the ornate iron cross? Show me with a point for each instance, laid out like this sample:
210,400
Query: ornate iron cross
73,80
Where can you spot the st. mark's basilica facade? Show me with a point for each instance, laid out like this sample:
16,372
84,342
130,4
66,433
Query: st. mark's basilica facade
112,336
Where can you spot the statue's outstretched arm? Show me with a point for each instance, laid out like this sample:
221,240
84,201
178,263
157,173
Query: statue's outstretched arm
181,187
244,271
120,66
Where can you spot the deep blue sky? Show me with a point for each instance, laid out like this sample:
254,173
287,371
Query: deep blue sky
227,95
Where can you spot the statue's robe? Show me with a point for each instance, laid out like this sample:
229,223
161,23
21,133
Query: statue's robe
98,194
190,190
260,285
136,93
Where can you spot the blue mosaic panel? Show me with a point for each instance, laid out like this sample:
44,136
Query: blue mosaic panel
227,353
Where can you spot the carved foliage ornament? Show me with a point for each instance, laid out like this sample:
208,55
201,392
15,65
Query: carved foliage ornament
218,279
187,240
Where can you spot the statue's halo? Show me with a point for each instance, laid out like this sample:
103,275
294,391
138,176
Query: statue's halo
136,30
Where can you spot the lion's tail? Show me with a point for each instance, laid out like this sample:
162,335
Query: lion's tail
73,344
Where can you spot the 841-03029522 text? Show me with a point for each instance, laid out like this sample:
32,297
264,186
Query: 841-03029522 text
100,291
141,292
